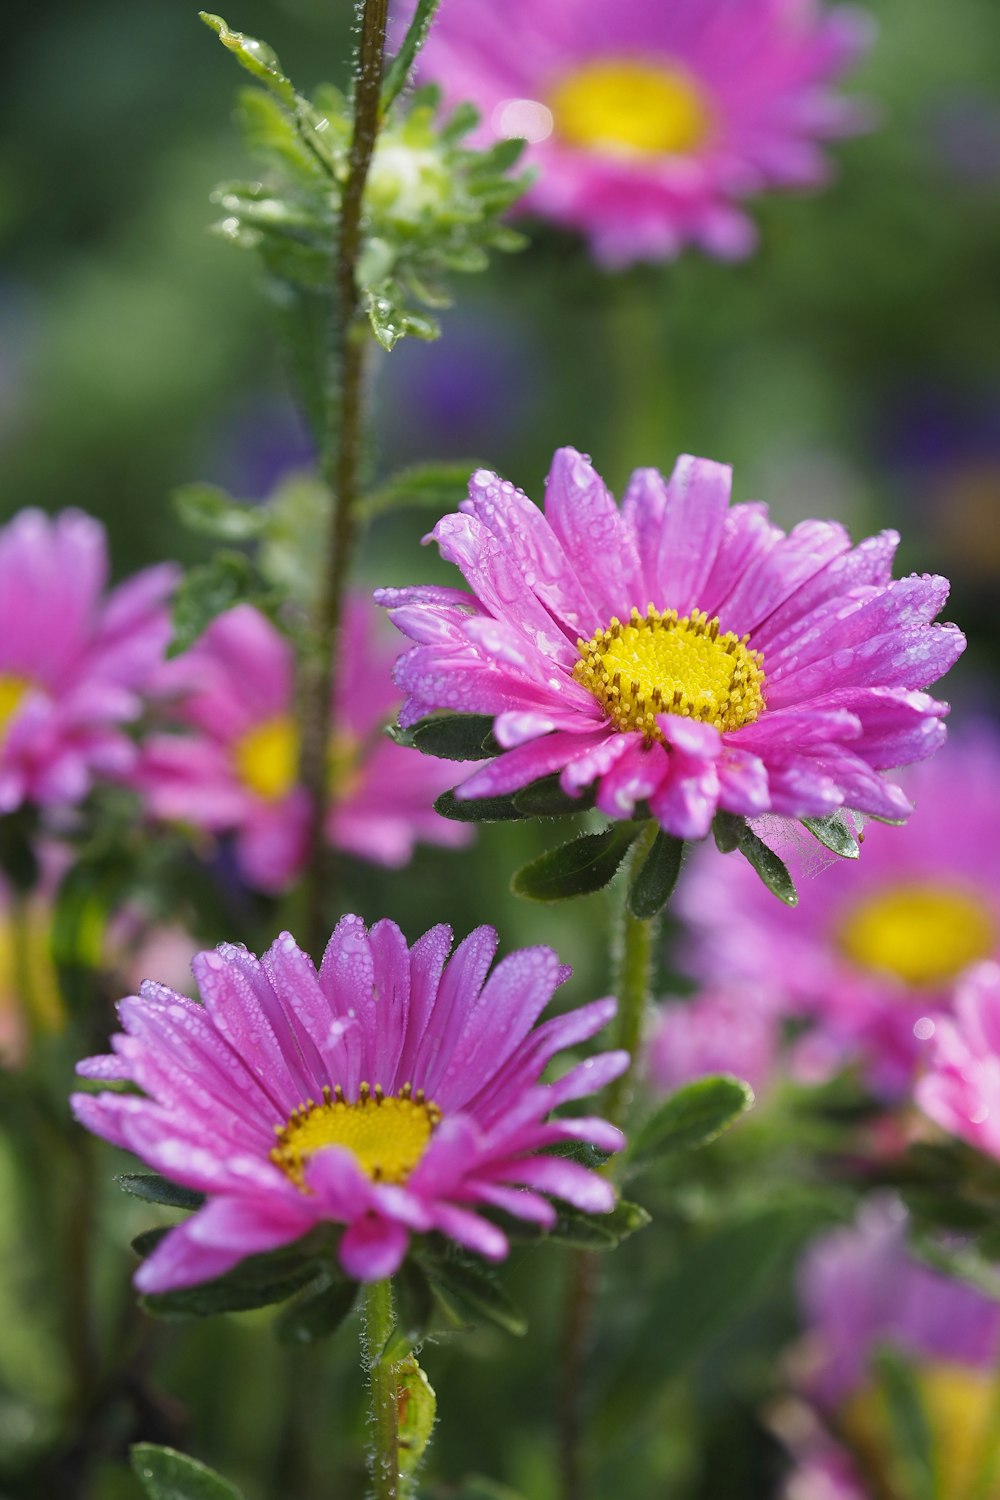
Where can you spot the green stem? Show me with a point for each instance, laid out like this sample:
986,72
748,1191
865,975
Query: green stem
342,457
383,1386
635,961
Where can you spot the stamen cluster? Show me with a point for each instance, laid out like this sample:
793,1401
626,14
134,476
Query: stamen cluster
388,1134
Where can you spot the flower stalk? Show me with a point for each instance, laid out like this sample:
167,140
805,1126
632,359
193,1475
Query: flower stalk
383,1387
636,936
342,453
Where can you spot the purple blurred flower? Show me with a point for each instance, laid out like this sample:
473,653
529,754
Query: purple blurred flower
650,122
236,767
73,663
875,947
676,652
391,1092
720,1031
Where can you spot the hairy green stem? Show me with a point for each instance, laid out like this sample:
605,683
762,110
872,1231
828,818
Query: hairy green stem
383,1386
636,937
342,458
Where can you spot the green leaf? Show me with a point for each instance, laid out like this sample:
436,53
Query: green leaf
769,867
398,70
477,809
417,1410
691,1117
318,1313
206,592
912,1445
654,883
391,320
166,1474
584,865
452,737
209,510
468,1292
153,1188
727,828
439,487
18,856
835,834
546,799
258,1281
256,57
597,1231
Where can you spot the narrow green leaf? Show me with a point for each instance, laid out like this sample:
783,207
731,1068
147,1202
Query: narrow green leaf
391,320
772,871
584,865
727,828
166,1474
691,1117
256,57
440,487
398,70
471,1293
417,1412
912,1443
835,834
209,510
317,1313
206,592
654,883
546,799
598,1231
156,1189
453,737
258,1281
477,809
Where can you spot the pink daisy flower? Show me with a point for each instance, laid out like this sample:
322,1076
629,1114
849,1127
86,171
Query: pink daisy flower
961,1090
73,661
875,946
648,122
394,1092
235,769
676,654
862,1292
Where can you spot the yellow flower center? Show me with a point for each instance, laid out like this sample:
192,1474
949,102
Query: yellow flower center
29,985
387,1134
12,690
960,1407
627,106
924,934
662,664
267,760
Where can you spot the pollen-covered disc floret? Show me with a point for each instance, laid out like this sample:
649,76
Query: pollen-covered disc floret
676,653
387,1133
659,663
394,1091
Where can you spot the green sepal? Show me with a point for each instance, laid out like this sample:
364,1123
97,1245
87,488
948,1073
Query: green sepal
398,70
654,882
694,1115
911,1455
478,809
166,1474
596,1231
584,865
450,737
546,799
207,509
318,1313
257,1281
469,1293
153,1188
835,834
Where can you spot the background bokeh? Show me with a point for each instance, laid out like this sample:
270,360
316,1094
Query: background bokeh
851,369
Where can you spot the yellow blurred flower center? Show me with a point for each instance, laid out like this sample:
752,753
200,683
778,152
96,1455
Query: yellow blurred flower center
627,106
960,1406
662,664
12,690
388,1134
267,760
924,934
29,986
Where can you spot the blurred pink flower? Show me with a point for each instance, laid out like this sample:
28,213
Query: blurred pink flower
720,1031
676,653
875,946
392,1092
961,1089
236,766
73,662
650,122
